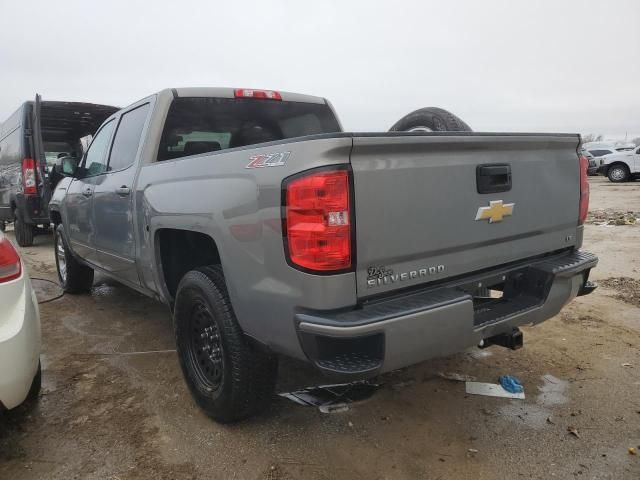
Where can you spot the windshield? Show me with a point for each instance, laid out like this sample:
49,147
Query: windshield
197,125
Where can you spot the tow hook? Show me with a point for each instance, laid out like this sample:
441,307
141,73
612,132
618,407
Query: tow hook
512,340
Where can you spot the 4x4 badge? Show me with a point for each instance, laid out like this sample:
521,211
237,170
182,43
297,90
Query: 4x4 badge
495,212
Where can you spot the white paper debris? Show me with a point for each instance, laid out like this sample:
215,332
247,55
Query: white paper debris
334,408
490,390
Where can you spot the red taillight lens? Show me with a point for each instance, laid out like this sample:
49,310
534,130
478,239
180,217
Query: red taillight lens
29,176
584,190
264,94
318,221
9,261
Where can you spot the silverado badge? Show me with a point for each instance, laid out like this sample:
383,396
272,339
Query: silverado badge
495,212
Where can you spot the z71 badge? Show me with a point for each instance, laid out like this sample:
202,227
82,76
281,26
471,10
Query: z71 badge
268,160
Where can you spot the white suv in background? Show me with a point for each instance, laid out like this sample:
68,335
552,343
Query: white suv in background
20,372
620,166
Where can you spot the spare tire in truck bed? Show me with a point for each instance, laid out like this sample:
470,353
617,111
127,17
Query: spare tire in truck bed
430,119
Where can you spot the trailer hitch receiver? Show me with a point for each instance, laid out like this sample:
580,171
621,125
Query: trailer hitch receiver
512,340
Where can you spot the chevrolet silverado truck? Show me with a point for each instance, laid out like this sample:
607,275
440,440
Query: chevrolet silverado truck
269,231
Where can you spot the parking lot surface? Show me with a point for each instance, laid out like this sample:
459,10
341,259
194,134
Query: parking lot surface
114,405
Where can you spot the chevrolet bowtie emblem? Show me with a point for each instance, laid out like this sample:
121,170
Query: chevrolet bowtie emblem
495,212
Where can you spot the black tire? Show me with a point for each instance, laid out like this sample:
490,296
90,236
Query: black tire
430,119
618,173
228,377
74,277
3,225
36,385
23,231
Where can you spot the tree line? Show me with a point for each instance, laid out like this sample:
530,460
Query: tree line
592,137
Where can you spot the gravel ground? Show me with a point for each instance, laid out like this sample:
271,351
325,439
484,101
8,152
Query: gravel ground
114,406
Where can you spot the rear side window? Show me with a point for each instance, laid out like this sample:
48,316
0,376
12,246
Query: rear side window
599,153
127,139
197,125
11,148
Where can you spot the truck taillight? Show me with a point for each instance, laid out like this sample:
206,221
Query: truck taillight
9,261
318,223
250,93
584,190
29,176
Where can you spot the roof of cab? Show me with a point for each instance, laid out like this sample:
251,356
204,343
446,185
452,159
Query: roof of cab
221,92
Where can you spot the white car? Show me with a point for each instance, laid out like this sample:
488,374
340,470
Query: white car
621,166
20,372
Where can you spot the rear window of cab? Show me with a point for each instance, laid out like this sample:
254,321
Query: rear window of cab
197,125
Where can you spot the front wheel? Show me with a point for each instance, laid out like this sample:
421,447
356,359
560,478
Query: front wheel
618,173
74,277
228,377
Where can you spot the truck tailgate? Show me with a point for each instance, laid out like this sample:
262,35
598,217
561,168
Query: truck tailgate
420,216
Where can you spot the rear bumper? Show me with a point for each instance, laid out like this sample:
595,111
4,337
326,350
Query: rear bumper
404,330
603,170
19,341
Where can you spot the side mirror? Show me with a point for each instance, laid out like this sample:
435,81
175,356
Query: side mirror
69,166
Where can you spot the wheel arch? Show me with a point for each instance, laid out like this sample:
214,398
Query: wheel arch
178,251
55,216
617,163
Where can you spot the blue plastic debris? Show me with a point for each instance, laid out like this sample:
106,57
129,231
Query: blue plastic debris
511,384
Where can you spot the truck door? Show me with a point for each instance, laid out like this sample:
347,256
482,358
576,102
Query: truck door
37,147
113,213
78,204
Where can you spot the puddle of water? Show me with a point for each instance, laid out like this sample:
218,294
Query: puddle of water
103,290
531,415
553,392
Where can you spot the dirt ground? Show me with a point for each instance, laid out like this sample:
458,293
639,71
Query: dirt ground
114,405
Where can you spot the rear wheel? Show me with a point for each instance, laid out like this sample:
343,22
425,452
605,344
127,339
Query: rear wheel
3,225
74,277
618,173
228,377
430,119
23,231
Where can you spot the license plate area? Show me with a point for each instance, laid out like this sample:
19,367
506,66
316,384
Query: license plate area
498,297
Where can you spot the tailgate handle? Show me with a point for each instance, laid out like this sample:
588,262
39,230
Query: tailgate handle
493,178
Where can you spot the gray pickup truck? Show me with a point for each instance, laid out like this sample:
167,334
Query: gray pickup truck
268,231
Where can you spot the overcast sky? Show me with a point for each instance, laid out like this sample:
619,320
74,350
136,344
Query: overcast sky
571,66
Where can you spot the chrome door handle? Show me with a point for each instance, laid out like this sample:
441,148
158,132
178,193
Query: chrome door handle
123,191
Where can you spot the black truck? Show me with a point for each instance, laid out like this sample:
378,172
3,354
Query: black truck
32,140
